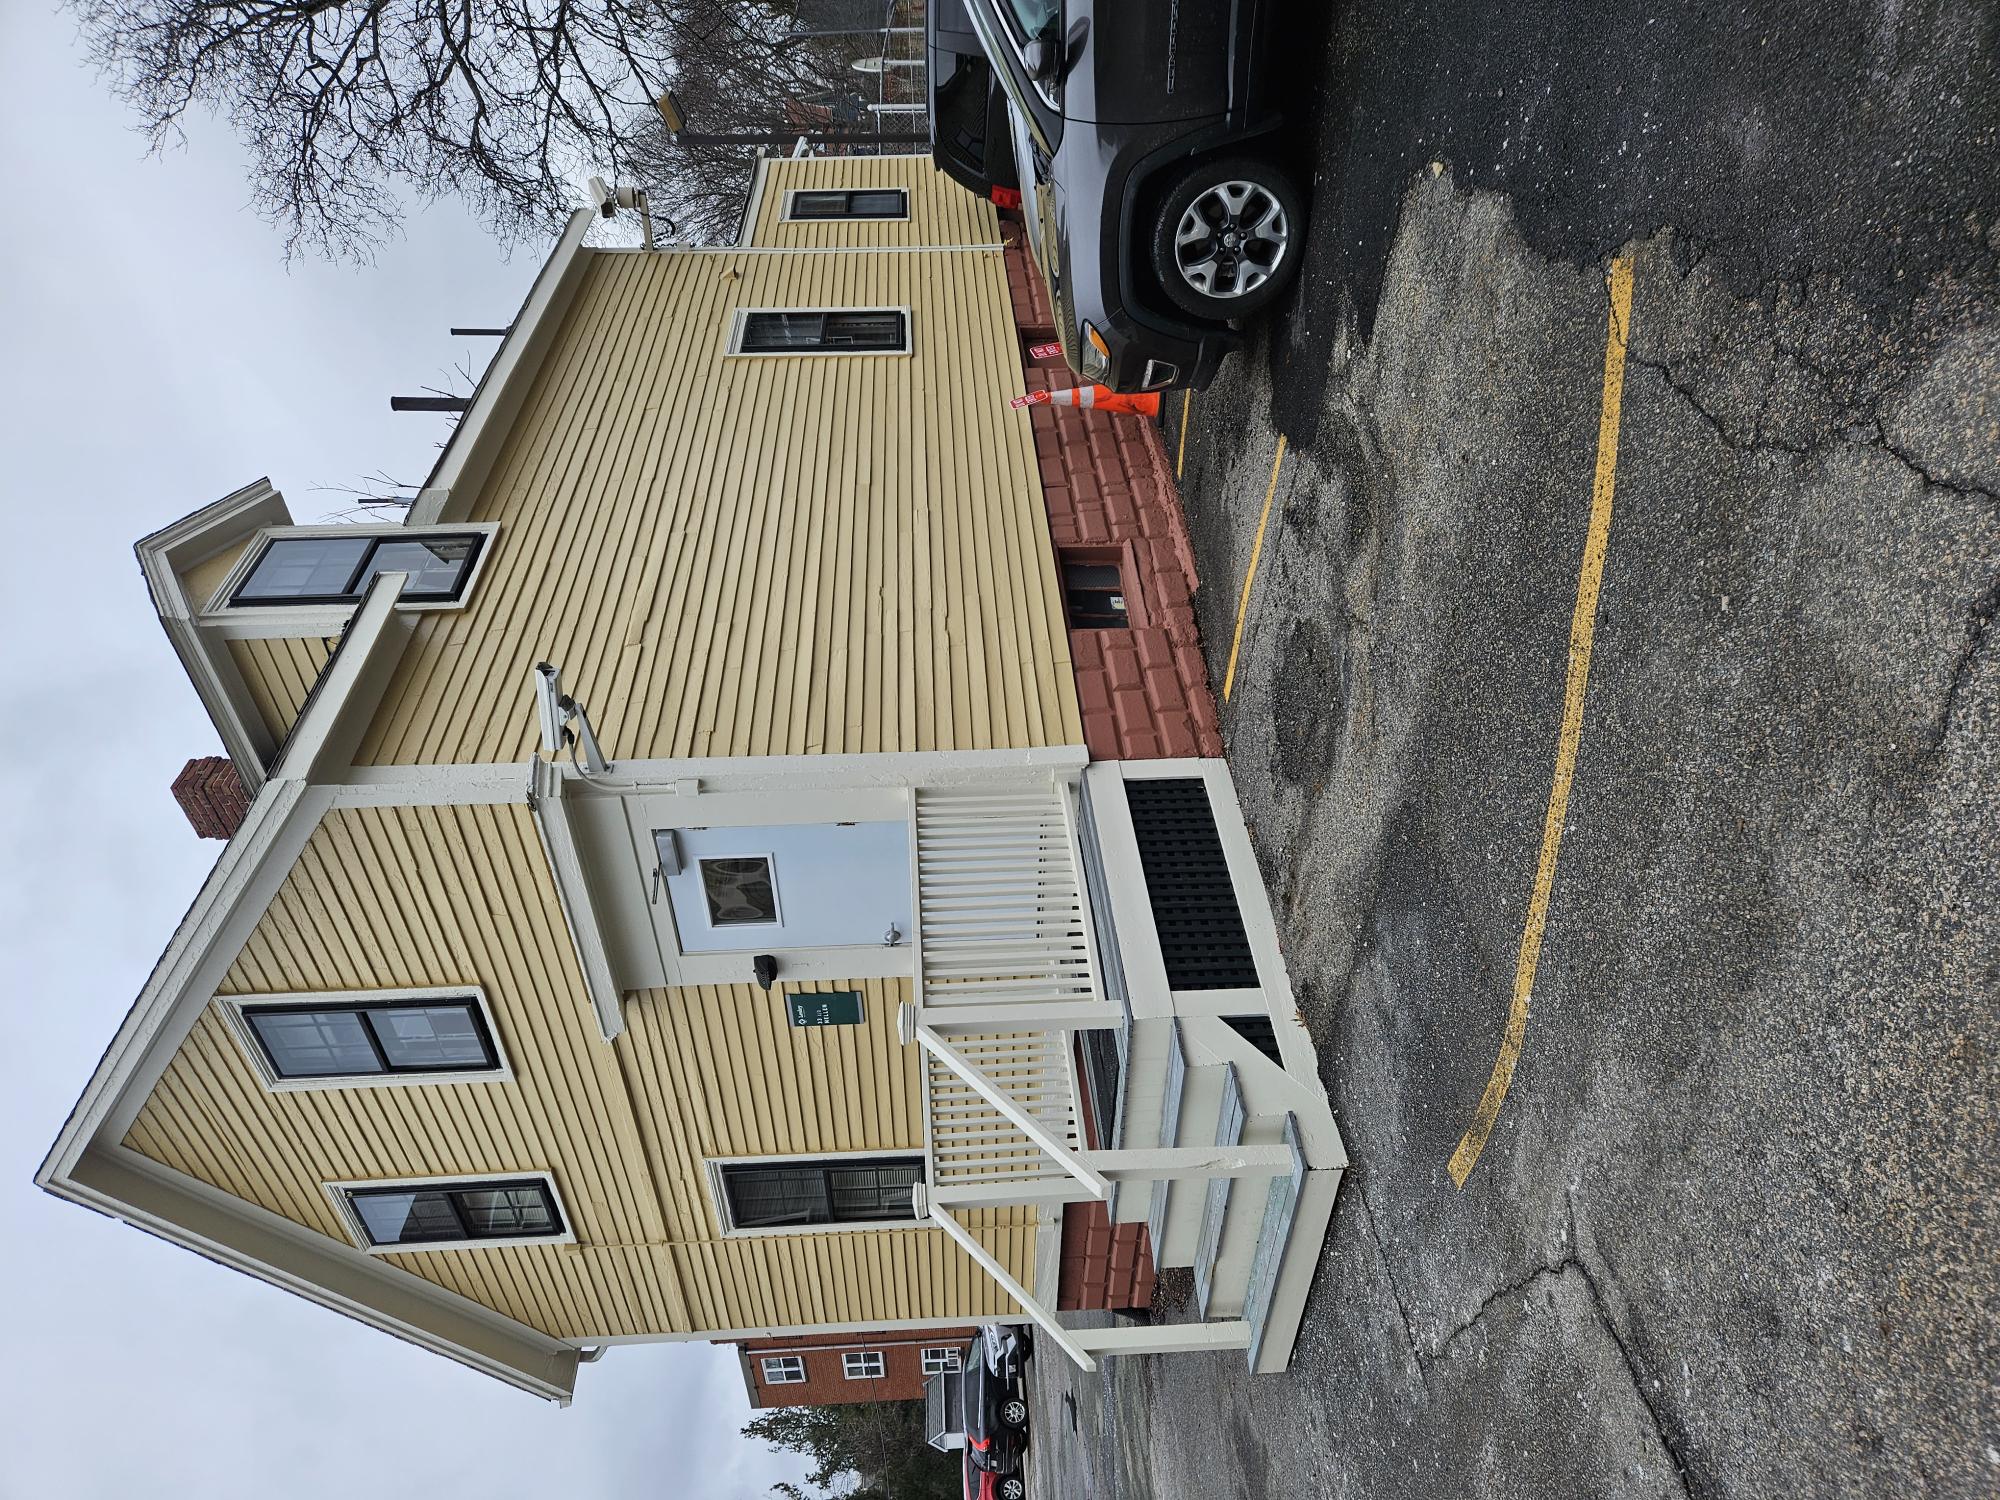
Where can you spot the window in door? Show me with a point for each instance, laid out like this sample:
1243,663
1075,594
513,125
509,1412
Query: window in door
740,890
790,1194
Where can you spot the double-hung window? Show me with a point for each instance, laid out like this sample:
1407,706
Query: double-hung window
337,567
862,1364
849,203
784,1369
800,1194
830,330
459,1213
941,1361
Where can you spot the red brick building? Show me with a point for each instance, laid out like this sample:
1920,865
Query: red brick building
831,1369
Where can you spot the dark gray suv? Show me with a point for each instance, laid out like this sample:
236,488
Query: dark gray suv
1153,206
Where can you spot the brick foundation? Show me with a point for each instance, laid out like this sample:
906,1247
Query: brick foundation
211,793
1111,499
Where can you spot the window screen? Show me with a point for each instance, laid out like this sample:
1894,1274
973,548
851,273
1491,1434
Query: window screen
366,1040
338,569
429,1214
791,1194
832,331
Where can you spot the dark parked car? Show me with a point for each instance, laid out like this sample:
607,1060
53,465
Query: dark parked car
1141,135
969,136
995,1410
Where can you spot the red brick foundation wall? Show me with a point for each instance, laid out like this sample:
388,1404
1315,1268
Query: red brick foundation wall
210,792
826,1382
1111,498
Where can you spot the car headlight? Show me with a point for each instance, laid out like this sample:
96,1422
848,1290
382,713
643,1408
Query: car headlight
1096,354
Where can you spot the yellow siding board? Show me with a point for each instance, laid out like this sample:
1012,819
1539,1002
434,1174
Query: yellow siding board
202,580
393,897
279,674
738,556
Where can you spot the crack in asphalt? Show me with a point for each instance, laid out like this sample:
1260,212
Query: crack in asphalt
1402,1308
1666,1432
1979,621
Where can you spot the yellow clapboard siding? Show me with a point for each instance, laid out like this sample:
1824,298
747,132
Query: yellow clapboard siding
202,580
280,675
941,212
428,897
761,555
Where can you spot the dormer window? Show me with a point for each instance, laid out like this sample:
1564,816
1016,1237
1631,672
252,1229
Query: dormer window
336,567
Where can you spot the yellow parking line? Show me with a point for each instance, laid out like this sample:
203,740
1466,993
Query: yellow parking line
1250,575
1582,627
1180,458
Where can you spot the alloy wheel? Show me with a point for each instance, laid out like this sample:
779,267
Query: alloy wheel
1231,239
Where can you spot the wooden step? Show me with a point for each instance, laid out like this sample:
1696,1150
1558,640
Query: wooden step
1170,1129
1274,1240
1215,1208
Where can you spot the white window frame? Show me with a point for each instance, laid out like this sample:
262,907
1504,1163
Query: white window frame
718,1192
740,319
784,1369
777,899
943,1359
268,621
855,1364
790,215
344,1210
232,1007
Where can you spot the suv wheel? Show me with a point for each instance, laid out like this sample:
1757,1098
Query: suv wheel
1226,241
1014,1412
1013,1487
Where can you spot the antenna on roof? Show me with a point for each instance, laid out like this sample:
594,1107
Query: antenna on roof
429,403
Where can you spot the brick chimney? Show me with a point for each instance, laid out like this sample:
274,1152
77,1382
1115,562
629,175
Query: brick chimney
211,794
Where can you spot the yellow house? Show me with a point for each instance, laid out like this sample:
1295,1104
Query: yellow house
681,894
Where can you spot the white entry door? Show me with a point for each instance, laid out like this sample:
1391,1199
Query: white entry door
769,887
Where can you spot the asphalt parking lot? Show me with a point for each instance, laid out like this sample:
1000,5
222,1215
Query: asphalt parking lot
1734,1231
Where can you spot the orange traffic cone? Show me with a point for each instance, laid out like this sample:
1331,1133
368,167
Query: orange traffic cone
1098,397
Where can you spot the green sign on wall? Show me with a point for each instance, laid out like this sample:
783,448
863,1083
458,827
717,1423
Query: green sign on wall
825,1008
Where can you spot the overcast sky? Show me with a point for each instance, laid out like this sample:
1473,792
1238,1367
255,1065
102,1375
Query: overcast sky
155,354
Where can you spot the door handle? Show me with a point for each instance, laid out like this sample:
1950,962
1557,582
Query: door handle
658,876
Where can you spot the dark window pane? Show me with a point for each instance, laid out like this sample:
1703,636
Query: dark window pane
819,205
303,568
873,1190
864,330
314,1043
763,1197
877,203
780,331
431,1038
507,1210
739,891
437,565
405,1216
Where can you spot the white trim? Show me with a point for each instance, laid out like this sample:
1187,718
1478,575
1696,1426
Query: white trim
747,236
790,212
787,1331
790,1369
578,903
476,441
766,773
164,557
864,1364
350,1218
718,1196
495,783
739,319
244,622
232,1007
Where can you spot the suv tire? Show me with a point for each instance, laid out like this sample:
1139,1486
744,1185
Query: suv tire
1226,241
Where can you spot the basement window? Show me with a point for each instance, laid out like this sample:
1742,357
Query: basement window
848,203
785,1369
453,1213
790,1194
337,568
1094,596
884,330
862,1364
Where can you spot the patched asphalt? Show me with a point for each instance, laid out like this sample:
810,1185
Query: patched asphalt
1735,1232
